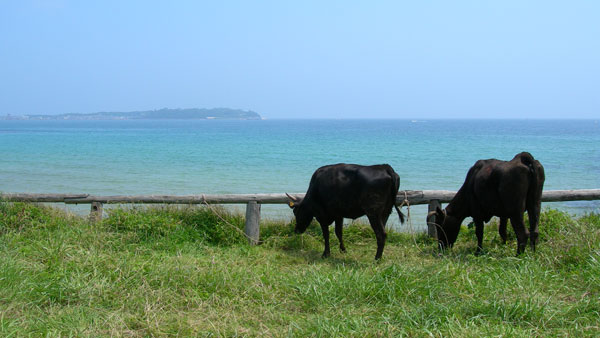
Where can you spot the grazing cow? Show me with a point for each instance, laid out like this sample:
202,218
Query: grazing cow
343,191
496,188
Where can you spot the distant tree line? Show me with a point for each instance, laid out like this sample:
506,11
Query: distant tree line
165,113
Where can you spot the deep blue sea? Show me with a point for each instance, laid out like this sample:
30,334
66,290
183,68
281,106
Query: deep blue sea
275,156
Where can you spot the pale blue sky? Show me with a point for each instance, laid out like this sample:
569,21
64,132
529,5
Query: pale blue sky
314,59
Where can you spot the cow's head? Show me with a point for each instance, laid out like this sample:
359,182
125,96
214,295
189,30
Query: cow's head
447,227
302,212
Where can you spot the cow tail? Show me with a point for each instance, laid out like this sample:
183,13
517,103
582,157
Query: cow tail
536,173
400,214
395,187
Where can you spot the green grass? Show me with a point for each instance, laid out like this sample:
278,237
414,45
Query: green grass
187,272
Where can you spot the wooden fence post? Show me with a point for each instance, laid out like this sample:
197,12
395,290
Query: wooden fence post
96,212
431,228
252,229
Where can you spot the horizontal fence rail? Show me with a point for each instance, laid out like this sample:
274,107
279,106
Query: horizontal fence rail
433,198
413,196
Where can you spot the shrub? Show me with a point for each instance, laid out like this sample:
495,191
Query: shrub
146,221
213,225
18,216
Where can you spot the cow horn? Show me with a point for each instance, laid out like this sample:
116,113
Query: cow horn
291,198
431,213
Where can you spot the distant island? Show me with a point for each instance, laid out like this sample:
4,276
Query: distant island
165,113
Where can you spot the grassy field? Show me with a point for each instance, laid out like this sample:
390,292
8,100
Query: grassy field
186,272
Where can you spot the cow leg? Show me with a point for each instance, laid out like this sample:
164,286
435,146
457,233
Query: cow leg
325,228
521,231
534,220
380,234
385,218
339,227
502,229
479,233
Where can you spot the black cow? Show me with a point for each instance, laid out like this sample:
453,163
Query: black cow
343,191
496,188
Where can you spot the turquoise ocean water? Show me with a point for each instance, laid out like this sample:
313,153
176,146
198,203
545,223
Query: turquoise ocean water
273,156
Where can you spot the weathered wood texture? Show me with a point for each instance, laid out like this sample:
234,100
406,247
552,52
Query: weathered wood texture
414,197
253,201
96,212
252,229
54,198
570,195
431,227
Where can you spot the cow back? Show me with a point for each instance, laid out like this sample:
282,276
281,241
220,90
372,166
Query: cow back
502,188
351,191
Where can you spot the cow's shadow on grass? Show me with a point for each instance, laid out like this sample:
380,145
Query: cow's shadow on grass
309,249
466,244
466,248
335,259
309,246
361,245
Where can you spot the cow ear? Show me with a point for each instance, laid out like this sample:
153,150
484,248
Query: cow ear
439,211
291,204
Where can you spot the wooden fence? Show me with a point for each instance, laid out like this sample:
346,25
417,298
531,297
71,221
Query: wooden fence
253,202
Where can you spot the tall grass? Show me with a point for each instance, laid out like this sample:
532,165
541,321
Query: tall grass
170,271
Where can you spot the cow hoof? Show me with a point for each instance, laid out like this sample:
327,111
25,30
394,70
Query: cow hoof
343,250
325,255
